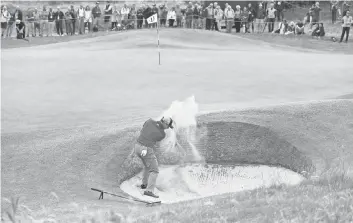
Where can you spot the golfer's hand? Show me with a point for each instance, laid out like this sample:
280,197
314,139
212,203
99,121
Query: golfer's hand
143,152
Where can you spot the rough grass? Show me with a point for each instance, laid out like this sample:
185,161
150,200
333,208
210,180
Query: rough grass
324,200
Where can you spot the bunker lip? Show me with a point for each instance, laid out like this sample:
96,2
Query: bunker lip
239,143
194,181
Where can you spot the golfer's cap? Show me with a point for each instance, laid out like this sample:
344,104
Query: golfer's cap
97,2
168,121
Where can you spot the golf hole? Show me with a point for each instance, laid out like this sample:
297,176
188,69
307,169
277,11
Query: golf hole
181,183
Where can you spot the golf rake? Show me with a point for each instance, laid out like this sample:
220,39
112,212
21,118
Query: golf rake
127,198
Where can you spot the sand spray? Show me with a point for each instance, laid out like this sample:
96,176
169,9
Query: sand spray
184,114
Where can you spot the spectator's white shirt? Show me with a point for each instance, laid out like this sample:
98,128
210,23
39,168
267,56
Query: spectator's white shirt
125,11
88,16
171,15
219,14
271,13
5,16
81,12
229,13
347,21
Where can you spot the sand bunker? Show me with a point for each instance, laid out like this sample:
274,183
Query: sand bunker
177,183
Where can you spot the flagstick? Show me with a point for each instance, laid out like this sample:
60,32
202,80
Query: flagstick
159,53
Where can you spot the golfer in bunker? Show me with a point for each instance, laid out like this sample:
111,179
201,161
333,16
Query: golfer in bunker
151,134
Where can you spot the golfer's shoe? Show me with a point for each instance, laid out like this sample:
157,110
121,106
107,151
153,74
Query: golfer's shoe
150,193
143,186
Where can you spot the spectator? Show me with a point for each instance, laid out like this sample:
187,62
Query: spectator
132,16
237,18
51,19
189,14
59,19
196,17
271,17
204,12
29,23
44,24
308,17
282,27
171,17
114,18
154,11
68,22
163,15
290,29
218,17
81,20
139,16
279,11
229,16
108,11
345,7
5,17
96,14
74,19
316,14
146,13
19,21
20,28
319,31
178,15
215,5
347,23
260,18
252,15
10,25
36,22
299,28
244,20
88,18
334,9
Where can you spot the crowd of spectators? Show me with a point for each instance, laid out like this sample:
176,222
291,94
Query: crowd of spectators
84,19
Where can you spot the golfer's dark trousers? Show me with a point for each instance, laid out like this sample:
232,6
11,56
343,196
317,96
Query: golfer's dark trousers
59,27
345,30
271,24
